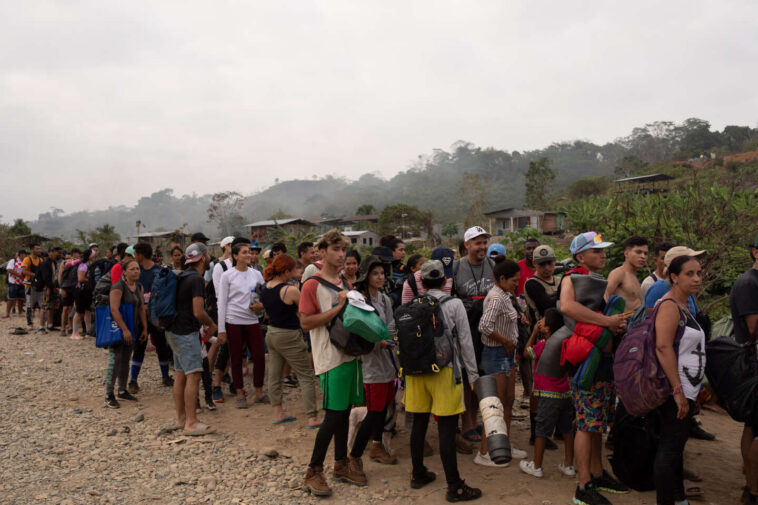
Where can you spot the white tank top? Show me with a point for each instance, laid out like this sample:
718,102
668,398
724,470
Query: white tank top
692,358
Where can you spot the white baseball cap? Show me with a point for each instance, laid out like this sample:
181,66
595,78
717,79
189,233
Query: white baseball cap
356,299
226,241
475,231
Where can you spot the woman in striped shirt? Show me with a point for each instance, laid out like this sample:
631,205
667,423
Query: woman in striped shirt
499,329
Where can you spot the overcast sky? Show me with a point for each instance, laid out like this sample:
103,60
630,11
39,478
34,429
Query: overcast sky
104,102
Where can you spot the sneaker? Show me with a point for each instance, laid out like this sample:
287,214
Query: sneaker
232,389
518,453
41,329
111,402
316,483
589,496
608,484
209,404
132,387
350,471
168,381
126,395
485,460
420,480
379,454
568,471
218,395
697,431
289,381
241,403
64,332
528,467
462,492
5,317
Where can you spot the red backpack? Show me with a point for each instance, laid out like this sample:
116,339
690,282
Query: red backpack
640,382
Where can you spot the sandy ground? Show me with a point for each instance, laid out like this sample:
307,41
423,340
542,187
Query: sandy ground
63,375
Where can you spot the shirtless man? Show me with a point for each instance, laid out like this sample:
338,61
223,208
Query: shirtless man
623,280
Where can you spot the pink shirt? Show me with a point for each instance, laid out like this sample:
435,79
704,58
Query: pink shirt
407,295
547,387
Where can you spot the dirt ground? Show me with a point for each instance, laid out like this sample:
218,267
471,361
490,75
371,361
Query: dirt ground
73,374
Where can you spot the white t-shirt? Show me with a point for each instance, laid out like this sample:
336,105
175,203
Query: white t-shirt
647,282
692,359
234,297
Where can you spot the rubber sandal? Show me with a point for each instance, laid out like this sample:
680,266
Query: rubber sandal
472,436
313,427
200,430
692,490
287,419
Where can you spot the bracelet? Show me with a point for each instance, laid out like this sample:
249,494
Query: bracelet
678,389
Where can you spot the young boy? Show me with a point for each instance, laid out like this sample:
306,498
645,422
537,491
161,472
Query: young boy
623,280
341,375
554,408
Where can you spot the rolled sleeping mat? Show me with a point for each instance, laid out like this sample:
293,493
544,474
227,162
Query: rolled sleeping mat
498,444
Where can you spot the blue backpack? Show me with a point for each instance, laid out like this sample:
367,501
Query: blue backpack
161,309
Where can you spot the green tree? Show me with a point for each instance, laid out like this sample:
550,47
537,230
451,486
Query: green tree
539,184
474,188
401,219
450,229
19,227
224,211
629,166
365,210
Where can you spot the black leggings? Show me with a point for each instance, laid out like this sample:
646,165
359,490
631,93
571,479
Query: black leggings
336,423
447,426
371,428
669,459
161,346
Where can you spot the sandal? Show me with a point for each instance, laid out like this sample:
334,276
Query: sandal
200,430
472,436
287,419
691,490
462,492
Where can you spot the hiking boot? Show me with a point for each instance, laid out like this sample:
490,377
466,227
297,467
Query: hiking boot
379,454
132,387
589,496
350,471
289,381
111,402
168,381
316,482
428,450
218,395
422,479
462,492
608,484
462,446
126,395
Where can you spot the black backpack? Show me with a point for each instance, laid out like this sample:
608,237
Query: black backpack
635,443
69,277
211,302
425,344
97,270
349,343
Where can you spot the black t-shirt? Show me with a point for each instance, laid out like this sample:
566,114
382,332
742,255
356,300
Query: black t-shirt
146,277
191,286
743,301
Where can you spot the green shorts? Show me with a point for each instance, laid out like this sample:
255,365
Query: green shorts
342,386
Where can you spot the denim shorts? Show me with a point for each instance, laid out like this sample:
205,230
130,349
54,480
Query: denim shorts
496,360
188,356
16,292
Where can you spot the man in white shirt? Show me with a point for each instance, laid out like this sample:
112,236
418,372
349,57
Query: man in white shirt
658,255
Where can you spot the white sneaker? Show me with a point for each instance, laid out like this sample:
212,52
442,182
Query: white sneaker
485,460
568,471
528,467
518,453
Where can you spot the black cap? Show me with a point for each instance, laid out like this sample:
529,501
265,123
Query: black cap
199,237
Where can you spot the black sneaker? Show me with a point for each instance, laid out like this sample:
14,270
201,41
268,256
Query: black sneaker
126,395
421,480
168,381
608,484
697,431
132,387
462,492
589,496
111,402
209,404
289,381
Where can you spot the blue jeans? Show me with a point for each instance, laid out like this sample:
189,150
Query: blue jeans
496,360
188,357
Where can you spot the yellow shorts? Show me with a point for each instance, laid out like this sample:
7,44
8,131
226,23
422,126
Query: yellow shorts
436,393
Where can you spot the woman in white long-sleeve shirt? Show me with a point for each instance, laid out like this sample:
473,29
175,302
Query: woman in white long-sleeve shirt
238,323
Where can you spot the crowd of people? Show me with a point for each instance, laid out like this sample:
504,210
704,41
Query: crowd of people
504,318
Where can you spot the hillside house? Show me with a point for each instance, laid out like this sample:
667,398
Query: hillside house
362,238
261,230
511,219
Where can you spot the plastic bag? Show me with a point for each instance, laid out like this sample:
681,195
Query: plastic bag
365,323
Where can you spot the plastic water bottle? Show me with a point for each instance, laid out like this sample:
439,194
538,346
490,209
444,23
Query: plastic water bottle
254,299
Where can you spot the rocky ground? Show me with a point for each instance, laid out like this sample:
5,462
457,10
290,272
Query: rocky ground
61,446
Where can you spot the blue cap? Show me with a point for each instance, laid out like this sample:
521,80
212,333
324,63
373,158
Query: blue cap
588,240
445,255
496,250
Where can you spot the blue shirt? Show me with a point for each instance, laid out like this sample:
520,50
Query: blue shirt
146,277
659,289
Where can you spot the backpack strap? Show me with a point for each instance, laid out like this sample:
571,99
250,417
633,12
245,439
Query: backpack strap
223,265
326,283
